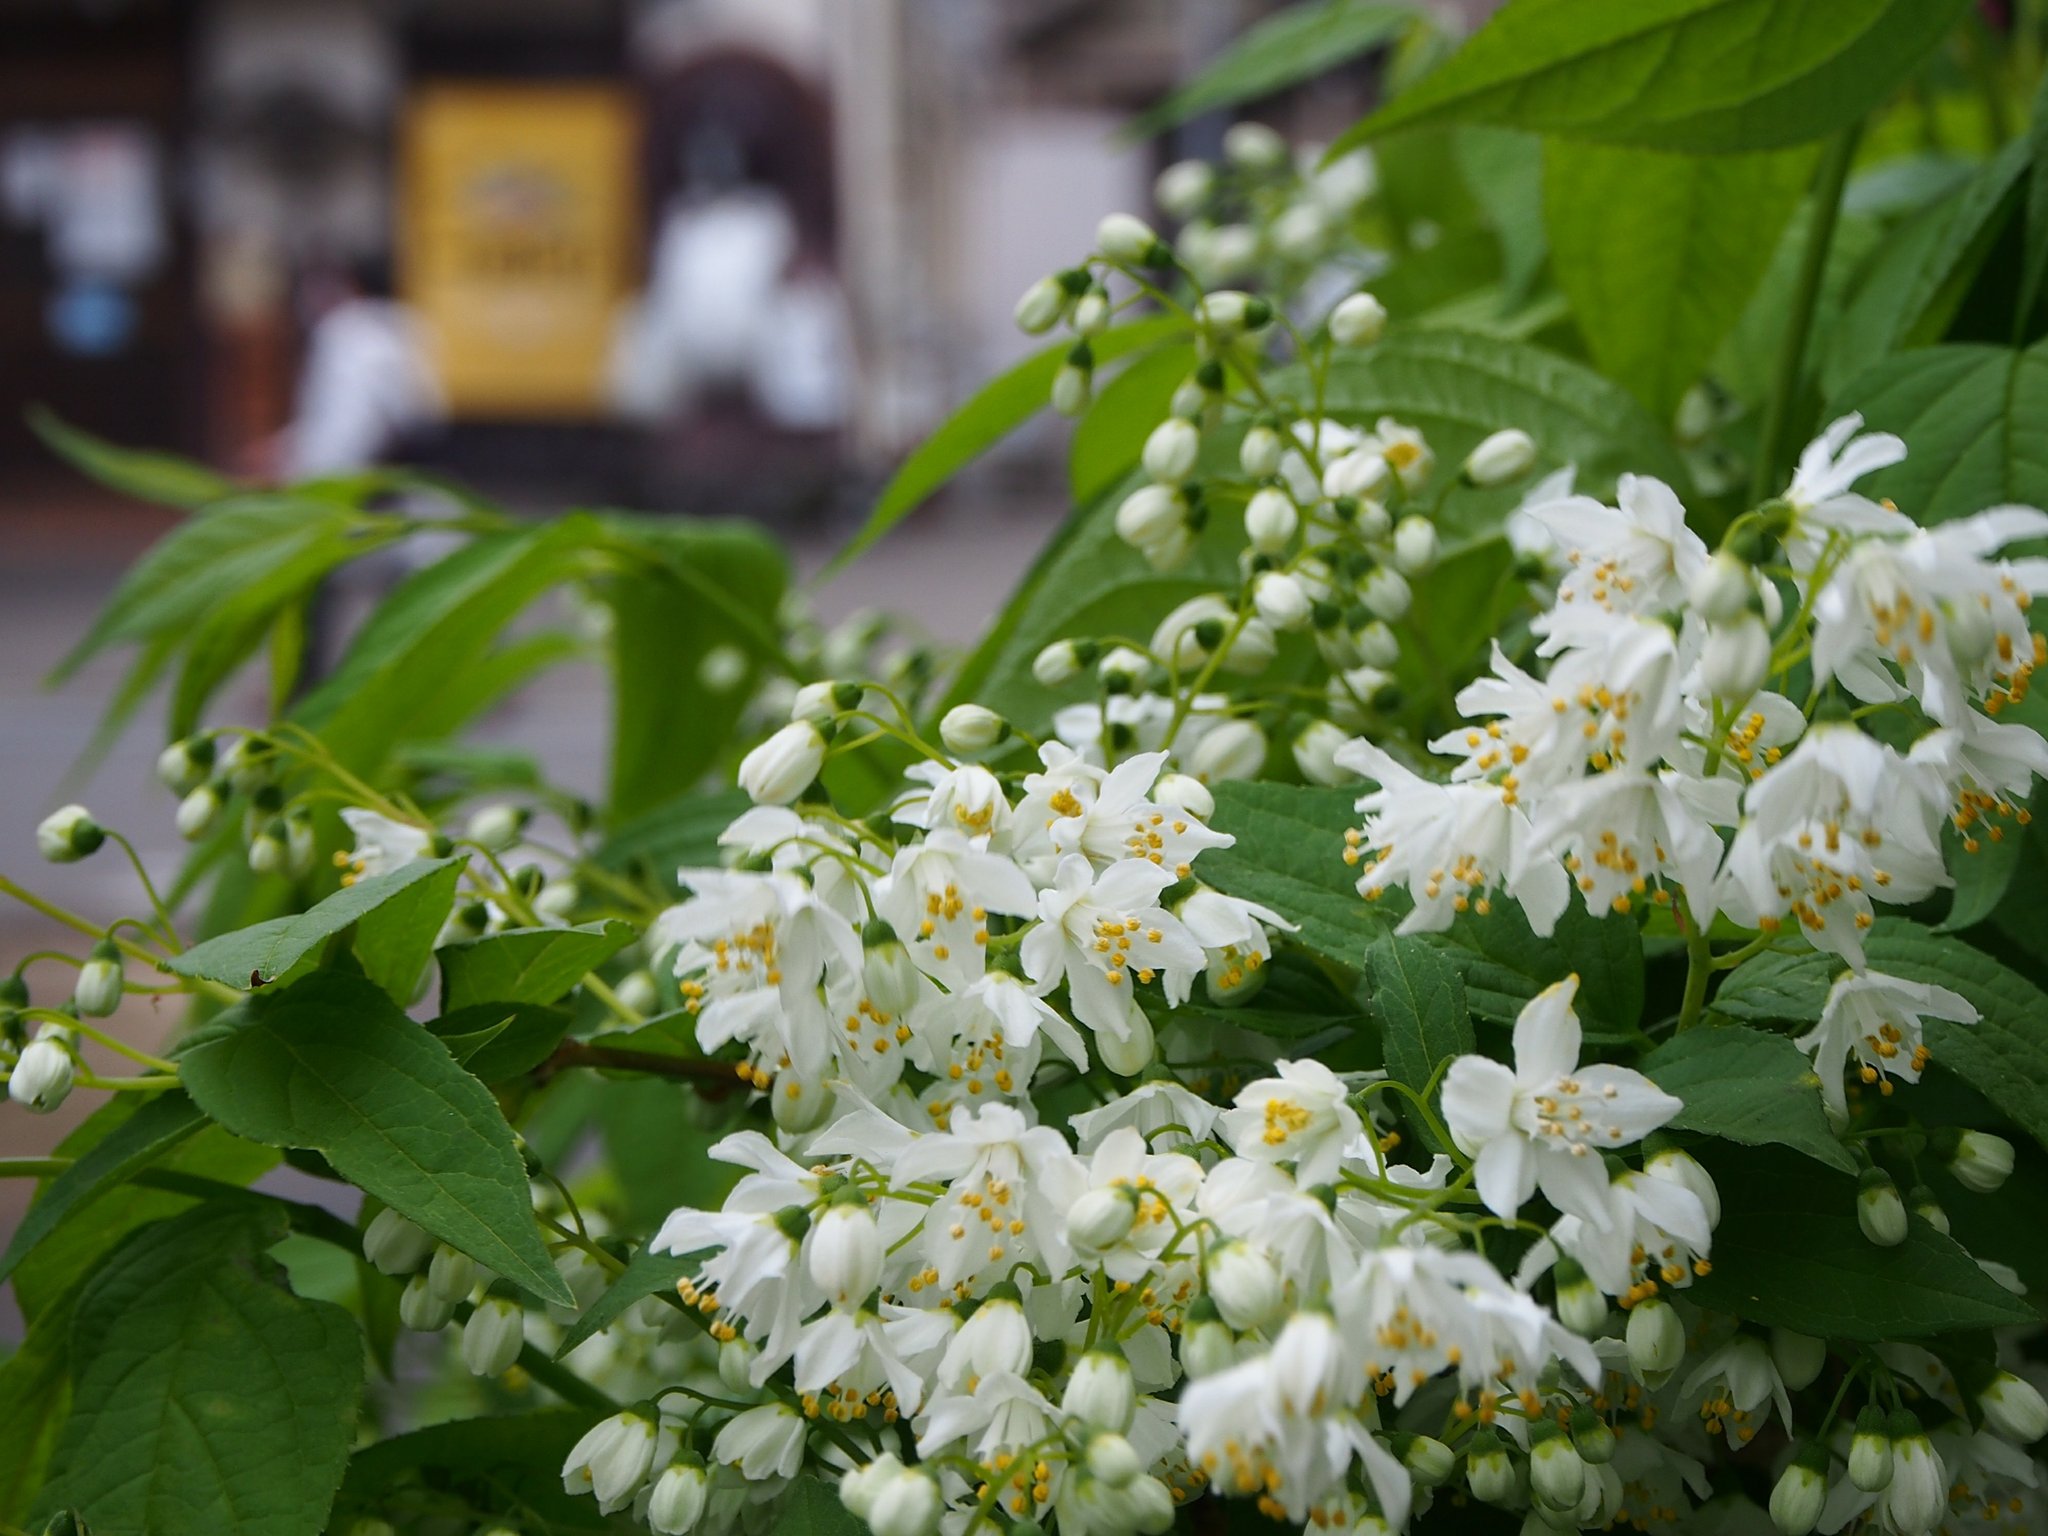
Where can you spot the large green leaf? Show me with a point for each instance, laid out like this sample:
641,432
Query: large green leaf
331,1064
996,410
1975,419
1789,1253
1659,252
509,1467
1713,76
210,1401
2004,1055
1289,856
440,622
500,1041
395,939
1504,171
134,1144
271,542
1747,1086
672,714
646,1274
1295,44
1420,1004
159,477
35,1395
682,833
1505,963
526,965
259,955
1918,279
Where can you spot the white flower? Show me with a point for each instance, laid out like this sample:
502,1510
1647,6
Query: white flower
1007,1184
1110,819
1637,557
1105,933
1150,1187
1302,1116
844,1252
1623,830
1656,1231
1877,1019
938,897
1232,933
676,1502
1820,495
1003,1413
41,1077
611,1460
381,844
1739,1379
854,1351
1546,1123
1449,844
763,1442
783,766
754,1275
1159,1106
1405,451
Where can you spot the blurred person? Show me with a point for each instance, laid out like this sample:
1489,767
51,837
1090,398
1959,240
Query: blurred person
367,385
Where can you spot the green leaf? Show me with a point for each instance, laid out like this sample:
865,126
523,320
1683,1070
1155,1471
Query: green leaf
35,1396
1711,76
1747,1086
163,478
1420,1004
526,965
210,1401
1658,252
1505,963
682,834
814,1508
1293,45
1747,362
272,542
441,621
395,939
510,1466
671,719
331,1064
261,954
645,1274
1918,280
1504,170
2035,265
1001,406
134,1144
1289,856
501,1041
1790,1254
1973,418
1109,439
2004,1055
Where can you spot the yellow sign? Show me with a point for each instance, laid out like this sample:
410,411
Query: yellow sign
520,240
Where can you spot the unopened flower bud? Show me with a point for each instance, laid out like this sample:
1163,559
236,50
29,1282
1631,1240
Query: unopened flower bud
1228,312
1428,1460
183,765
270,851
451,1273
1358,321
1656,1339
1736,658
1270,520
1112,1459
98,992
199,812
1152,512
1315,753
1580,1305
493,1336
676,1502
1870,1451
972,728
1091,318
1981,1162
68,834
1917,1497
394,1245
1557,1473
1171,450
1128,240
799,1103
1921,1201
845,1254
1185,793
1360,474
1592,1436
1387,594
1800,1493
1101,1219
498,827
42,1075
1184,188
1489,1470
1074,385
1798,1357
1235,749
1058,663
1101,1395
1879,1210
1505,455
1244,1285
421,1309
1415,545
1207,1346
736,1366
1254,147
1041,306
783,766
1281,599
1722,588
2013,1409
1123,669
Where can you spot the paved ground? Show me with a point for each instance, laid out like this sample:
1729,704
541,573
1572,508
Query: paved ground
60,559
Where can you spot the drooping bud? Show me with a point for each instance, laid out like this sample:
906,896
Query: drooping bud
1233,749
98,992
1281,600
1207,1346
1387,594
1040,307
1916,1498
493,1336
183,765
68,834
1101,1219
451,1273
1879,1210
1489,1469
972,728
1358,321
1358,475
1228,312
1505,455
498,827
1270,520
1254,147
1171,450
676,1502
845,1253
1580,1306
1557,1473
1184,188
1059,663
1244,1285
1721,588
1870,1451
612,1460
1183,793
1736,658
421,1309
1656,1339
1415,545
1981,1162
42,1075
1128,240
1801,1492
783,766
395,1246
1112,1459
1592,1436
2013,1409
1799,1357
1074,385
1101,1395
1315,753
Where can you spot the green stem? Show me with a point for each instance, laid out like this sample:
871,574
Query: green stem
1827,206
1699,966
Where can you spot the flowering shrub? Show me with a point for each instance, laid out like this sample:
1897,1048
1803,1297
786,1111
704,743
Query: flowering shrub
1440,966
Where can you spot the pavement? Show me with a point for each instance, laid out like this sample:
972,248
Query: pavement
63,550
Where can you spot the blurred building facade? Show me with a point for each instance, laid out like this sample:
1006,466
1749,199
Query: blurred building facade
672,251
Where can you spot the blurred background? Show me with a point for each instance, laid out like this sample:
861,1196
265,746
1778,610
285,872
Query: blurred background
698,256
